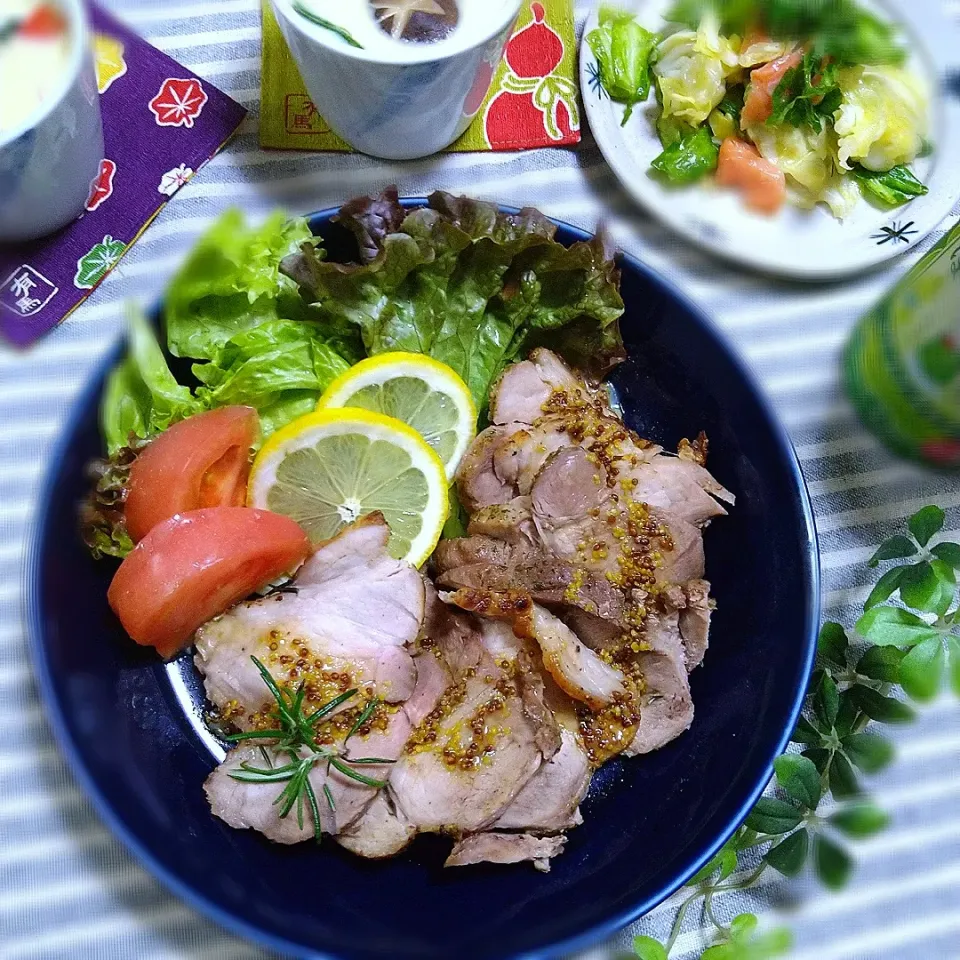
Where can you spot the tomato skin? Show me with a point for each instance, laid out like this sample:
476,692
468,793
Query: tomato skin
196,565
203,461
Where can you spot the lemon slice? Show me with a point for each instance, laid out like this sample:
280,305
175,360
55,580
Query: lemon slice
329,468
422,392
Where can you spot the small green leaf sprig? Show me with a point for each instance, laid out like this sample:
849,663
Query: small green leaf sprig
923,640
911,646
295,735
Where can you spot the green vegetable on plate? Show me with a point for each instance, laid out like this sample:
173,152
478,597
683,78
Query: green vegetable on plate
818,88
231,282
142,397
280,367
669,129
256,342
732,103
842,29
807,95
623,50
892,187
689,159
725,119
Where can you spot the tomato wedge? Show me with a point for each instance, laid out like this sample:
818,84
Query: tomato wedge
194,566
203,461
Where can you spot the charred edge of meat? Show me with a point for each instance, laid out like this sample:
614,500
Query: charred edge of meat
696,451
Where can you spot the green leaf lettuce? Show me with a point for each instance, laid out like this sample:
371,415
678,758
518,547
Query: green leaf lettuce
280,367
141,396
468,285
231,282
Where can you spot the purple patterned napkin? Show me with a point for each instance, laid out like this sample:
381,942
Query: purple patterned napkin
161,124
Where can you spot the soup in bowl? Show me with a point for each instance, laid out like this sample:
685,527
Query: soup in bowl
34,58
51,135
398,79
394,29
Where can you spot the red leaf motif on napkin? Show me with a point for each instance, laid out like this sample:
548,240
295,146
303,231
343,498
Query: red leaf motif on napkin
178,103
101,186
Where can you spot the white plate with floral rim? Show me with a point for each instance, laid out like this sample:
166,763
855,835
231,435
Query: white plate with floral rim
801,244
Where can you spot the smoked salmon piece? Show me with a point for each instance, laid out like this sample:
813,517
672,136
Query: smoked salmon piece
755,34
763,183
758,104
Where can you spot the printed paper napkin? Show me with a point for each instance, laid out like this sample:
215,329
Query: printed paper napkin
532,101
161,124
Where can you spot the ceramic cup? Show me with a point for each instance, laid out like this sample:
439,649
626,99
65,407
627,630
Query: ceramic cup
48,163
396,110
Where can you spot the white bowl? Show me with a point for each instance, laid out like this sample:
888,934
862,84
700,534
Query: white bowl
399,109
47,163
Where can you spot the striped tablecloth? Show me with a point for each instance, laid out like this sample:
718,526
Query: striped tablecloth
69,890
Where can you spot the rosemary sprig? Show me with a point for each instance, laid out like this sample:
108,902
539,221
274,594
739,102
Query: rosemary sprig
327,25
295,732
365,715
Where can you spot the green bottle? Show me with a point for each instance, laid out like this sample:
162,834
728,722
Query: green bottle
902,364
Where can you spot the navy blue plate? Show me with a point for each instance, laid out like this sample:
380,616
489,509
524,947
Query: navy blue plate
131,730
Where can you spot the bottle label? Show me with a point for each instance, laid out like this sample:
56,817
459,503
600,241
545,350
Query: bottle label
903,363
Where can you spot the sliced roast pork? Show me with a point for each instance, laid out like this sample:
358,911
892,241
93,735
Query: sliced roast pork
540,406
506,848
467,761
525,389
666,707
614,510
676,484
479,549
380,831
511,522
345,624
473,752
478,484
577,669
572,508
569,620
557,584
549,802
685,559
252,805
347,620
519,456
692,602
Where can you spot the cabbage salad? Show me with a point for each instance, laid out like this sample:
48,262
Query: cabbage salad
800,101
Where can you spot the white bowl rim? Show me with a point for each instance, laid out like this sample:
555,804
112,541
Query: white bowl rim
323,37
80,33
